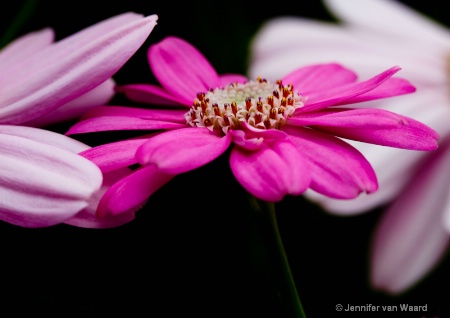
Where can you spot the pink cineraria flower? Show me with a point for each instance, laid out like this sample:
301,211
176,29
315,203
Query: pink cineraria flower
44,182
414,232
43,82
282,133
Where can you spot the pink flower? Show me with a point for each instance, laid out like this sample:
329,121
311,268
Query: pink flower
42,82
44,182
281,140
413,234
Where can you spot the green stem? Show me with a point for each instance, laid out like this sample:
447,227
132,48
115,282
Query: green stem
284,282
23,14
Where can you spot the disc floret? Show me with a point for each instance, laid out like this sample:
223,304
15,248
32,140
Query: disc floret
260,103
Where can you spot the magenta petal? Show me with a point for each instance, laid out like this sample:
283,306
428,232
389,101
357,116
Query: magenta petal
150,94
110,123
181,69
412,135
182,150
338,170
320,77
322,99
226,79
172,115
353,118
114,155
132,192
272,171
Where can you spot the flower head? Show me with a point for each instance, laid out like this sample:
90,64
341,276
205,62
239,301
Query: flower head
43,82
371,33
282,133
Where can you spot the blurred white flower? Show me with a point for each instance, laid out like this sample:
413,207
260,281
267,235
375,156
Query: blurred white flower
414,231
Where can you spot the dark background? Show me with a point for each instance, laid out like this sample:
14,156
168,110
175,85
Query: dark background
191,249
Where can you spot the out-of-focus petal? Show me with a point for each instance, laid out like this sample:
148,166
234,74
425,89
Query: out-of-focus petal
411,238
398,19
172,115
345,176
226,79
100,95
59,73
182,150
25,46
181,69
42,185
272,172
132,192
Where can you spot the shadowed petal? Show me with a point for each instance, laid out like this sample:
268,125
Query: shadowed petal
272,171
132,192
182,150
344,176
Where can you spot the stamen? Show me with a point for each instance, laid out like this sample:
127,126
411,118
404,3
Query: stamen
260,103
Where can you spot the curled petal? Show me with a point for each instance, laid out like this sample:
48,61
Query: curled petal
42,185
182,150
344,176
273,171
132,192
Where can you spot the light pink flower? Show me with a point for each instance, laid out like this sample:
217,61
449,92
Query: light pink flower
44,182
413,234
43,82
282,141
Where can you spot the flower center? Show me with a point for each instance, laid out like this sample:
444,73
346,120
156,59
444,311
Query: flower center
260,103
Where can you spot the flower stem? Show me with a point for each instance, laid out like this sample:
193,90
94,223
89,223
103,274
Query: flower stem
21,17
281,275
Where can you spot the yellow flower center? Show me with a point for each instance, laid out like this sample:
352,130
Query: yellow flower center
260,103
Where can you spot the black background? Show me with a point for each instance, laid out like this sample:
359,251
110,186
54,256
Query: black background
189,250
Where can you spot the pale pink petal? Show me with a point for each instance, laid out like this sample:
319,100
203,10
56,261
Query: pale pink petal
132,192
24,47
411,239
87,217
344,176
398,20
114,155
42,185
45,137
100,95
110,123
150,94
182,150
46,84
320,77
181,69
412,135
271,172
